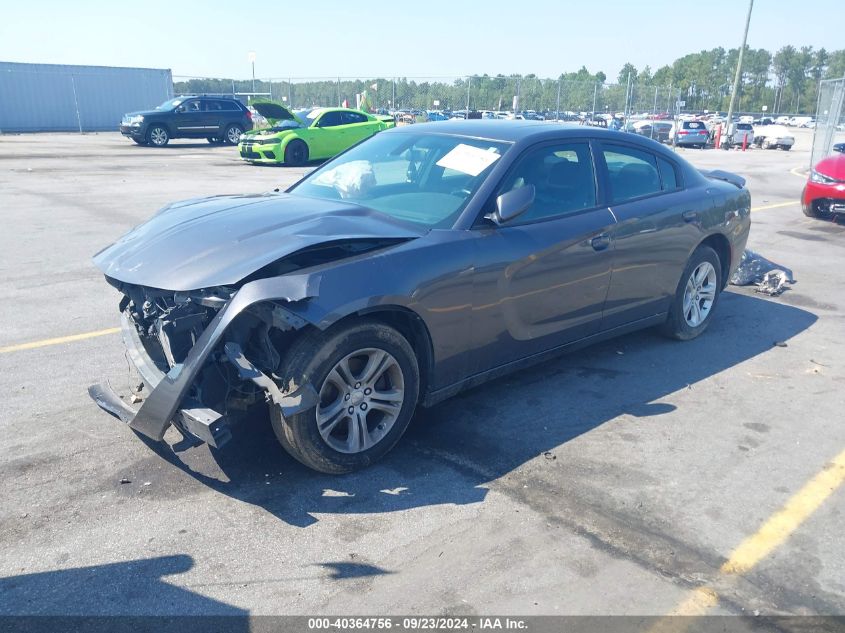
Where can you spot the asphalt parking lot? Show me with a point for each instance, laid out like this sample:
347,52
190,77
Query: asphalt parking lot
641,477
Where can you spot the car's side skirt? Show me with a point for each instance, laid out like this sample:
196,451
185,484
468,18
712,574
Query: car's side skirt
433,397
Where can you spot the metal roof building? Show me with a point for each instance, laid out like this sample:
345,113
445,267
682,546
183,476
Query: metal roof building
57,97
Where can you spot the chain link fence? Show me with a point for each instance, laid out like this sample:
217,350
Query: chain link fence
559,98
830,119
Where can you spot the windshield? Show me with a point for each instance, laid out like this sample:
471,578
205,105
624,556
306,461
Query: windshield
169,104
308,115
422,178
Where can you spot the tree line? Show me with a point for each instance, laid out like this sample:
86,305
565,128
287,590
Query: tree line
784,82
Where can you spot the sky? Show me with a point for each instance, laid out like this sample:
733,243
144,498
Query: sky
330,38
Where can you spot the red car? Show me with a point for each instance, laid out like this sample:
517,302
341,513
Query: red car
824,193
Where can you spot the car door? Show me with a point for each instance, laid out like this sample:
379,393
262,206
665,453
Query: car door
358,126
189,119
655,231
214,118
328,138
541,280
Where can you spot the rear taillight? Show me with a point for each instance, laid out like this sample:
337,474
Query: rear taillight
249,115
682,132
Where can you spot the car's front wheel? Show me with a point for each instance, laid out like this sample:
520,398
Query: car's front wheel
233,134
158,136
296,153
696,296
139,141
367,379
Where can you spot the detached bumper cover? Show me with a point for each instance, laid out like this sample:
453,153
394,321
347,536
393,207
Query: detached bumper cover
167,400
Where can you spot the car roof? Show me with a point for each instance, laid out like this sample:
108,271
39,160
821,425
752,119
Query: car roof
509,130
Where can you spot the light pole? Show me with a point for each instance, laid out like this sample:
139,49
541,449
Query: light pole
738,75
251,58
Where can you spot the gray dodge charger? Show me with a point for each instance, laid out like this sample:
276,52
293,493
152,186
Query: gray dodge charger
423,261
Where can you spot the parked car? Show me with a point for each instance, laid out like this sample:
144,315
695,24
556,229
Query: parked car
296,138
423,261
824,193
839,147
774,137
217,119
660,131
690,134
737,135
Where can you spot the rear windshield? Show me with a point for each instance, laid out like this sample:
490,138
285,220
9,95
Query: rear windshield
743,126
693,125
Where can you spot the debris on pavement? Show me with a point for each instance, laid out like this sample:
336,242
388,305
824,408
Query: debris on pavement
754,269
134,399
125,480
549,455
779,344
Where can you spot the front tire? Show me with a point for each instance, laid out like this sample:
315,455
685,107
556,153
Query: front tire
696,296
367,377
296,153
157,136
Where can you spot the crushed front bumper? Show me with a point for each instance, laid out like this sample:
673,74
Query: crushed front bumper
168,402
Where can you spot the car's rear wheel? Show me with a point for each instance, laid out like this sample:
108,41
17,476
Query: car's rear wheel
158,136
696,296
296,153
367,379
233,134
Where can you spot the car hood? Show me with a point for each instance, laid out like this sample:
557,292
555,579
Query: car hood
143,113
833,167
221,240
274,111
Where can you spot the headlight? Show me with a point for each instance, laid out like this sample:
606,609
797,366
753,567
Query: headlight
821,178
134,120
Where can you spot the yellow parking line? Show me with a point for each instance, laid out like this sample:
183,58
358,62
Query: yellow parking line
794,171
57,341
786,520
775,206
779,527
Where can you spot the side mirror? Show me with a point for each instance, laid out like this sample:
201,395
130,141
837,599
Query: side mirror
512,203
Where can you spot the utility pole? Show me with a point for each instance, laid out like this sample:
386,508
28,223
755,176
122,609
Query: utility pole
738,74
252,61
557,109
469,84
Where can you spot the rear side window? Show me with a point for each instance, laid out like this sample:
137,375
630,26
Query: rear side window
330,119
633,173
212,106
354,117
668,174
563,179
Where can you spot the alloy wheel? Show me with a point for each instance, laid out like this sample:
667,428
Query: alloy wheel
360,400
699,294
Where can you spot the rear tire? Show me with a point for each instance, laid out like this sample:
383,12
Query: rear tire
296,153
696,296
361,413
232,135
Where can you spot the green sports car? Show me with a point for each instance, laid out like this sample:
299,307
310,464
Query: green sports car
294,138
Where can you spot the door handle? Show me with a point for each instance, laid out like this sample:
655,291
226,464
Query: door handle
600,242
690,216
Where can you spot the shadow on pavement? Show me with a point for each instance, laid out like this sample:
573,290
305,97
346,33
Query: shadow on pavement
452,451
99,591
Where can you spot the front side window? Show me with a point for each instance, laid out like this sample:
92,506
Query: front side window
330,119
563,179
426,179
632,173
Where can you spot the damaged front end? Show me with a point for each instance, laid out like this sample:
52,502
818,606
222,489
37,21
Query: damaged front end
208,356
